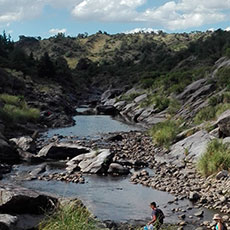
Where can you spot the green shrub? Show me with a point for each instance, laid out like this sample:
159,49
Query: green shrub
205,114
160,102
129,97
147,83
174,106
164,133
17,114
220,98
16,110
210,113
12,100
223,77
69,217
216,158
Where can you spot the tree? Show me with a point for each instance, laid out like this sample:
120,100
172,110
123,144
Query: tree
46,67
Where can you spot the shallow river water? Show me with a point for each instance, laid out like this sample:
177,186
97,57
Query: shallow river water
109,198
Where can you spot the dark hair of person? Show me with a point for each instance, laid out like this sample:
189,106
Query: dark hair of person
153,204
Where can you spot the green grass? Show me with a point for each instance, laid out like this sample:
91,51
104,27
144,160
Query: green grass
69,217
12,100
210,113
215,159
129,97
160,102
16,110
163,134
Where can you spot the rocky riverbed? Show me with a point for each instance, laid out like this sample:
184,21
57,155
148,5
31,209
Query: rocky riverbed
132,150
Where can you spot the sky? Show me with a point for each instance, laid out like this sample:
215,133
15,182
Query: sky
46,18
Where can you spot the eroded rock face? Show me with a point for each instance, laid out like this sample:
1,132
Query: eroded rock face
61,151
19,200
224,123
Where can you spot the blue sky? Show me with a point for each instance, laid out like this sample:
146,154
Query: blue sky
48,17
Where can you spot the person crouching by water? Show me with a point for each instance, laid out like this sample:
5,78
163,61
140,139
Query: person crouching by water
219,222
157,218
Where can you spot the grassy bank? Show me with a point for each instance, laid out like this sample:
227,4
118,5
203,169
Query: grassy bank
16,110
164,133
69,217
215,159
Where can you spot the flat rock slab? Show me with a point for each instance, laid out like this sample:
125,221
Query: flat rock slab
193,145
62,151
19,200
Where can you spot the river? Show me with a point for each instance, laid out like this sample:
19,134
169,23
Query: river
109,198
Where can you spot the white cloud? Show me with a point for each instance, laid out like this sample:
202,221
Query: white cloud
173,15
107,10
142,30
227,29
57,31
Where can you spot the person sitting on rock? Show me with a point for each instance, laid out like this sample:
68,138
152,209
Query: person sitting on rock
157,218
219,222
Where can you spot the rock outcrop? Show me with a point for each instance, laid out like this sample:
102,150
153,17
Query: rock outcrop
8,154
191,147
224,123
19,200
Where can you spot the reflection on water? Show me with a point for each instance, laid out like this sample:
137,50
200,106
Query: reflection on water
93,126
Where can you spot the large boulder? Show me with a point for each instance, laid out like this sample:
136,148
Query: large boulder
25,143
191,147
95,162
118,169
224,123
61,151
19,200
106,110
8,154
7,222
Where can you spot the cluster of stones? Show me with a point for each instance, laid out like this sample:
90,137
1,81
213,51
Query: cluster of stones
135,146
64,176
185,182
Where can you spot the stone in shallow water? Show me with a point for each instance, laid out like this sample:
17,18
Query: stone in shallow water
7,222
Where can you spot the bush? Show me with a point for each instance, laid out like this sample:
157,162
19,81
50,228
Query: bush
215,159
12,100
174,106
69,217
210,113
16,110
205,114
160,102
164,133
129,97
